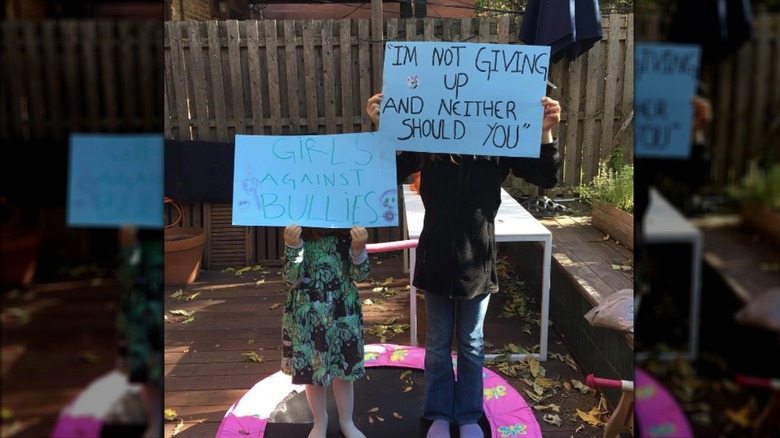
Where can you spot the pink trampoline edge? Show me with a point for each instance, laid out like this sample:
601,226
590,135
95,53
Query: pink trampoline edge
505,409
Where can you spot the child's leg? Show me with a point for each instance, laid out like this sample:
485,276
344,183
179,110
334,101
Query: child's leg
152,397
316,397
343,391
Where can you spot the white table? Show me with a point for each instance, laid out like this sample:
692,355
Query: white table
664,224
513,224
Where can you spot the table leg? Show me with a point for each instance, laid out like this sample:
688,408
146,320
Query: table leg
412,299
545,298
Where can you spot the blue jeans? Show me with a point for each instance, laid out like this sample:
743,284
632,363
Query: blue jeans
445,397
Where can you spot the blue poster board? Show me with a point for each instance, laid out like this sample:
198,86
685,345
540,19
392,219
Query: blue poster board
115,180
329,181
464,98
665,76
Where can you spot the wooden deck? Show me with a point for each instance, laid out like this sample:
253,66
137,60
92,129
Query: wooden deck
56,339
69,341
207,370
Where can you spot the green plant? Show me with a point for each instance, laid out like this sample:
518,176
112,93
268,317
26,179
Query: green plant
614,185
760,185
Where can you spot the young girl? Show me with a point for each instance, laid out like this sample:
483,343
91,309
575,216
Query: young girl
322,323
139,322
456,264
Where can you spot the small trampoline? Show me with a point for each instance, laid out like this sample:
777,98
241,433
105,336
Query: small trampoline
387,403
110,406
657,413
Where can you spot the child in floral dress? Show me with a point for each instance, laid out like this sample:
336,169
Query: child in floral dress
322,323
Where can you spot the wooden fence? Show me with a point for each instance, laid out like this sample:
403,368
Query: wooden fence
210,80
744,89
314,76
80,76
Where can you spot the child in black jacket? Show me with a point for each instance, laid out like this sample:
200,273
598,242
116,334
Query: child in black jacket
456,263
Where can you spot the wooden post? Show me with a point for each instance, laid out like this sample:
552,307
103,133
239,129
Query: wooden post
378,43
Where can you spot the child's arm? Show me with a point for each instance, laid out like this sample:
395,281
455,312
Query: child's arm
293,253
361,265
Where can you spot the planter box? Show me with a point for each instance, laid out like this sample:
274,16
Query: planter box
762,220
615,222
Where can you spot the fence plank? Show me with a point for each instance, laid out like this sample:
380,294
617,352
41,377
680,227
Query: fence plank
34,77
179,79
291,77
199,83
255,79
364,74
106,53
53,71
329,77
310,28
742,110
272,64
128,74
217,85
88,42
613,76
590,140
572,147
345,51
760,86
628,88
234,66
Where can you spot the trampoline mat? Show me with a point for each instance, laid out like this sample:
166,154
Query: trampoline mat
387,403
382,389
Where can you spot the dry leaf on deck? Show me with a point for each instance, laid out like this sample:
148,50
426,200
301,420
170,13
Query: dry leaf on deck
177,294
170,414
581,386
397,415
372,410
407,389
275,305
740,416
254,357
380,418
592,417
552,419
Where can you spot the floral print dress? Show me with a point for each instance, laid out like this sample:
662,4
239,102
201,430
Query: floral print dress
322,323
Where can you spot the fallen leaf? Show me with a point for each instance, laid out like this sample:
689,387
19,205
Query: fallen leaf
181,312
567,386
253,357
170,414
188,320
407,389
178,427
89,357
370,420
380,418
177,294
397,415
552,419
372,410
605,238
740,416
243,270
405,373
591,417
581,386
551,407
275,305
193,296
389,280
259,282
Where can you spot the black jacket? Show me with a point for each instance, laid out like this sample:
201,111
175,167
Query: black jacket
456,253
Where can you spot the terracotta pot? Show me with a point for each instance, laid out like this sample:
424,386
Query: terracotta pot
617,223
19,258
183,254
